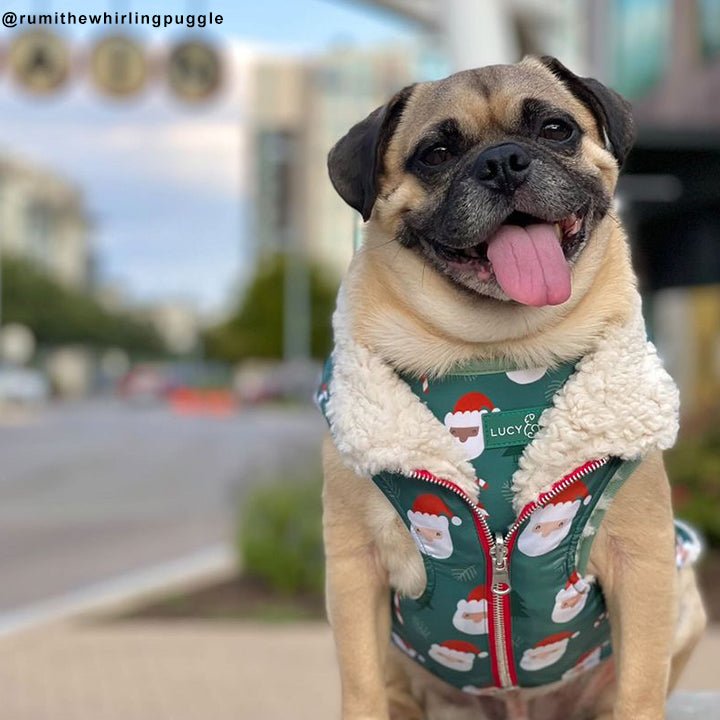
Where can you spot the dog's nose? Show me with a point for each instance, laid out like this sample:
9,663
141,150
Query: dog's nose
502,167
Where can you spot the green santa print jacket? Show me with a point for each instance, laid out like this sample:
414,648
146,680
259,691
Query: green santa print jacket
502,476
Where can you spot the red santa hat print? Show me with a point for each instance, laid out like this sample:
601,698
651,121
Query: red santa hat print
477,594
462,647
456,654
565,504
576,582
555,638
469,408
428,510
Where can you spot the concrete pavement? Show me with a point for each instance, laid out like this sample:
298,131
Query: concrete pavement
90,669
96,490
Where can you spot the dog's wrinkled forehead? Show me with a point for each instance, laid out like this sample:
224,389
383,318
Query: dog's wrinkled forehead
482,106
486,103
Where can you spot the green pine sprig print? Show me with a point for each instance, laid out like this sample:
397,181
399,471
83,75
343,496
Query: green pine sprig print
421,626
466,574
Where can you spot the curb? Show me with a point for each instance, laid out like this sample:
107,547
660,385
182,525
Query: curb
123,590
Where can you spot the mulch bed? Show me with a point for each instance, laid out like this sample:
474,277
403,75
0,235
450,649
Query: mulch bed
243,598
239,598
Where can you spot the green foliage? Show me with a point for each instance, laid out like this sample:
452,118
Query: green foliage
57,314
280,535
255,328
694,470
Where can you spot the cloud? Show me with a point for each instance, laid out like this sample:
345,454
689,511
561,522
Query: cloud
159,178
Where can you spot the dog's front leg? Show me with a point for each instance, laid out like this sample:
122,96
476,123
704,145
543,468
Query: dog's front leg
634,559
357,593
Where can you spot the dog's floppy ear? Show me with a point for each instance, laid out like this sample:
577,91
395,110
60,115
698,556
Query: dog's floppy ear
612,112
355,162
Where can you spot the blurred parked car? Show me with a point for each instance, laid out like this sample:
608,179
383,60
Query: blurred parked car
145,383
23,385
259,381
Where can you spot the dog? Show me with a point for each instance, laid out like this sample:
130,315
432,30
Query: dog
491,242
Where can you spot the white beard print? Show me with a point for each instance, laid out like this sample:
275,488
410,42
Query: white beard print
474,446
461,424
525,377
532,542
462,662
562,614
542,657
468,625
439,548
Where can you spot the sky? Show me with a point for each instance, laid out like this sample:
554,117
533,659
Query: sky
163,182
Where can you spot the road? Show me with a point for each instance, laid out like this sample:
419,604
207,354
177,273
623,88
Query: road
92,491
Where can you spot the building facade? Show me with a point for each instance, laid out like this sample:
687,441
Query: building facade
299,110
44,220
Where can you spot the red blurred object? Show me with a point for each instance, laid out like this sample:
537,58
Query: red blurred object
194,401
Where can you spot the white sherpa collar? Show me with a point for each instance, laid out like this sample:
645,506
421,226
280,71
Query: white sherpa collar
619,402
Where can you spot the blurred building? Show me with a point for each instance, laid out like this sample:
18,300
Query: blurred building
662,54
300,108
178,324
43,219
665,56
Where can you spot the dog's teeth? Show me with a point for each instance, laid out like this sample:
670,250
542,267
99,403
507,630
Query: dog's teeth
558,230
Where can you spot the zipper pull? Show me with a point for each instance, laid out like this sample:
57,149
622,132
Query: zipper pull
500,576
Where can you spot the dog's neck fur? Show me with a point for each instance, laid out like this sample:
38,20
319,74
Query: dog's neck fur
379,330
419,322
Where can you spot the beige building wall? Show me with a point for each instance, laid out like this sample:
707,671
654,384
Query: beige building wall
43,219
302,108
346,85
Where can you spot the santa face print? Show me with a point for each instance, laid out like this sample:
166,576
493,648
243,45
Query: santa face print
569,603
465,422
541,657
471,617
586,662
471,440
432,540
453,659
430,520
545,530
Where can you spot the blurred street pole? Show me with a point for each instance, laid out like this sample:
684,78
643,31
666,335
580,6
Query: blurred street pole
296,301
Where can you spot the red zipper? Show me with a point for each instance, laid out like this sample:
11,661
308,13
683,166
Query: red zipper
498,551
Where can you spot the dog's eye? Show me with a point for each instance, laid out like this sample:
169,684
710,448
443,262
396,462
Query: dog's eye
556,130
435,155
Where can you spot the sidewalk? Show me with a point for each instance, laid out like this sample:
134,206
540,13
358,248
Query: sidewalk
97,670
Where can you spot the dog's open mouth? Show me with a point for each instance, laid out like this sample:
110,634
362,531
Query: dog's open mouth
528,257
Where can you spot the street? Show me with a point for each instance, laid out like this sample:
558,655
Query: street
93,491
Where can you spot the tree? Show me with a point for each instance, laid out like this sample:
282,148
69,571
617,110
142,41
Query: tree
255,327
58,314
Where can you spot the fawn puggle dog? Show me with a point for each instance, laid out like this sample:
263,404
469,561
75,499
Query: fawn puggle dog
497,518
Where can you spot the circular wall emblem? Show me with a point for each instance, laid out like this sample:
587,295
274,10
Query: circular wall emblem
39,61
118,66
194,70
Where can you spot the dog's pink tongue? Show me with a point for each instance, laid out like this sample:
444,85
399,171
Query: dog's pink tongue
529,264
